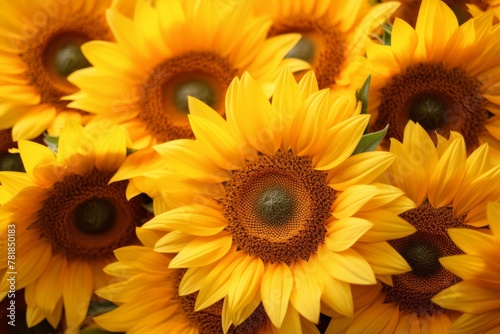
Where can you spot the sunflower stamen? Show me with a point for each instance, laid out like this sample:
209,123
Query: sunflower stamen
304,49
413,291
199,89
429,111
95,215
69,58
275,206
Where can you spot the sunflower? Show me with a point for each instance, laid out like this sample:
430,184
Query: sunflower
440,75
451,190
39,48
287,216
168,52
147,293
334,34
67,220
463,9
479,293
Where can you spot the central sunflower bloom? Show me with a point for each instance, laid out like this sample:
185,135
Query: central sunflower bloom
282,206
334,34
442,78
451,191
39,48
68,220
164,310
190,48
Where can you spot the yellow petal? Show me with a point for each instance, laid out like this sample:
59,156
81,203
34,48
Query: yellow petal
403,42
77,290
448,175
383,259
352,200
474,242
215,286
341,141
306,292
349,266
202,251
468,297
111,150
244,284
493,212
337,295
436,23
197,220
275,289
345,232
173,242
186,157
193,279
34,154
386,226
361,168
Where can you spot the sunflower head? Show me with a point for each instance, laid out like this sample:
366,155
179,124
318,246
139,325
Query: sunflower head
281,202
191,48
68,219
334,34
40,47
451,191
427,75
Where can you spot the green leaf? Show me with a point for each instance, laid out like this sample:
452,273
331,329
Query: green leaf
370,141
362,95
51,142
386,37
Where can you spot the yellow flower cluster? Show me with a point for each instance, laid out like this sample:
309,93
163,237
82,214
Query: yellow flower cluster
250,167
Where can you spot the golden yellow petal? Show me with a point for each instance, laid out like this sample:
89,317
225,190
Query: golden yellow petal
275,290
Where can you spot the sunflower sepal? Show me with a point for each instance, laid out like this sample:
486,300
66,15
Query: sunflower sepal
387,34
362,95
51,141
370,141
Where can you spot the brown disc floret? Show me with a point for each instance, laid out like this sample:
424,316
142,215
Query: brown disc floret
412,291
322,45
163,97
440,100
276,207
85,218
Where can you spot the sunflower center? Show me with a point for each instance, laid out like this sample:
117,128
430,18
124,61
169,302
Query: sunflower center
429,111
163,98
54,52
276,207
11,162
322,45
209,320
441,100
95,215
422,256
304,49
68,56
413,291
85,218
199,89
